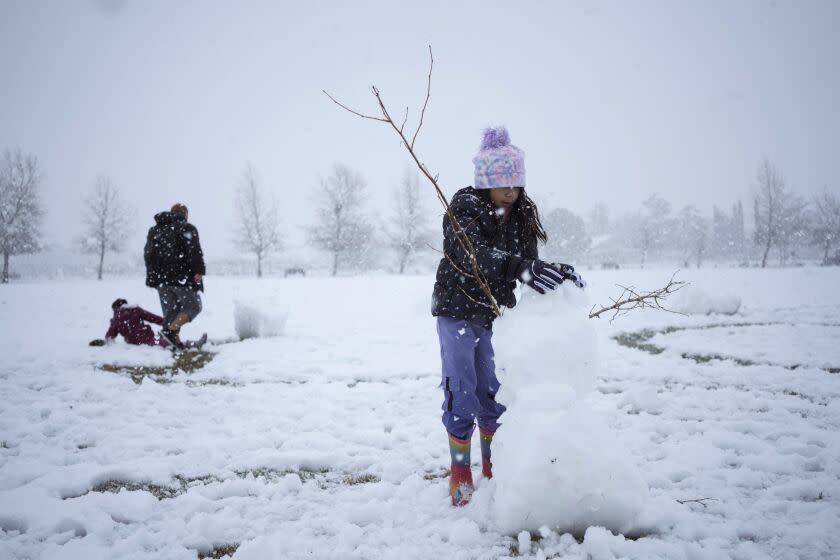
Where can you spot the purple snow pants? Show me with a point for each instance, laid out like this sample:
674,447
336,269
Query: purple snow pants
469,378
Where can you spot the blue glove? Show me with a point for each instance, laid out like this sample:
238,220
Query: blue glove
568,272
539,275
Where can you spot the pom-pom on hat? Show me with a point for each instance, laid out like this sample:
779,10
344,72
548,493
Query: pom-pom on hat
498,163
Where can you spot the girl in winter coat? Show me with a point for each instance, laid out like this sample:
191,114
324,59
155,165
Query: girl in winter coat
130,322
503,226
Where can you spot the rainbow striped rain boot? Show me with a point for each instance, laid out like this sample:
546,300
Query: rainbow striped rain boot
486,438
460,480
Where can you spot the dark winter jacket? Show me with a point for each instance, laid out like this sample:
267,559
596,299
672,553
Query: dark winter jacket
495,240
173,253
128,321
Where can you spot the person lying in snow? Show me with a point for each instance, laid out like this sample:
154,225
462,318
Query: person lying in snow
130,322
504,226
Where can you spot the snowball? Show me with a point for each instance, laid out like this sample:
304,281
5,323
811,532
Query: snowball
251,321
555,461
694,301
524,541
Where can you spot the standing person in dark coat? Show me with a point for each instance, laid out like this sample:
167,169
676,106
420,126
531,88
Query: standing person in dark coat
175,267
503,225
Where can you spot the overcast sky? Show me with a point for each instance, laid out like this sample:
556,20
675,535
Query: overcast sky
610,100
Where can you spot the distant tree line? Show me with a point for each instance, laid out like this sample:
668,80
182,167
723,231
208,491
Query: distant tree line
355,238
784,224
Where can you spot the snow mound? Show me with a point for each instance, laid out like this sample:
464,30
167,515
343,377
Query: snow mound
555,461
252,321
694,301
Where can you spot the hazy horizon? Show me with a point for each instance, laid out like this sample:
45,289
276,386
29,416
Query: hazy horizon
610,101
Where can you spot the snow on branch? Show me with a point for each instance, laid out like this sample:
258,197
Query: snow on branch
631,298
460,232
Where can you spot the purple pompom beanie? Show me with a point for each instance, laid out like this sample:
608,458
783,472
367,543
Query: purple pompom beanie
499,163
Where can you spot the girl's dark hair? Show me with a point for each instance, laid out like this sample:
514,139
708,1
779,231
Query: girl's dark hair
530,213
532,216
118,303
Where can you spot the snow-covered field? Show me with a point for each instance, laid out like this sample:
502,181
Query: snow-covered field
719,438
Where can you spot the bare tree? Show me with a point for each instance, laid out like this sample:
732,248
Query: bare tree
598,220
739,235
20,207
770,205
567,236
258,224
794,227
826,232
654,226
728,234
342,229
722,242
408,231
693,234
106,221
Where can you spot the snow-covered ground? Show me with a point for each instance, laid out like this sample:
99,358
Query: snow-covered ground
324,441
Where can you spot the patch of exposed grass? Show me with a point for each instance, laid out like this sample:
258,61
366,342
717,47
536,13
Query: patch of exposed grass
114,486
220,551
189,481
706,358
180,486
443,473
639,340
183,362
273,475
356,479
212,382
324,477
818,498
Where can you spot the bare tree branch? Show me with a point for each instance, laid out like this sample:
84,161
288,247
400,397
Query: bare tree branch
451,261
631,299
346,108
426,102
405,119
472,299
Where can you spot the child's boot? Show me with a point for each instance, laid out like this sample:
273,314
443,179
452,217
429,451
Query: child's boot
460,480
486,437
